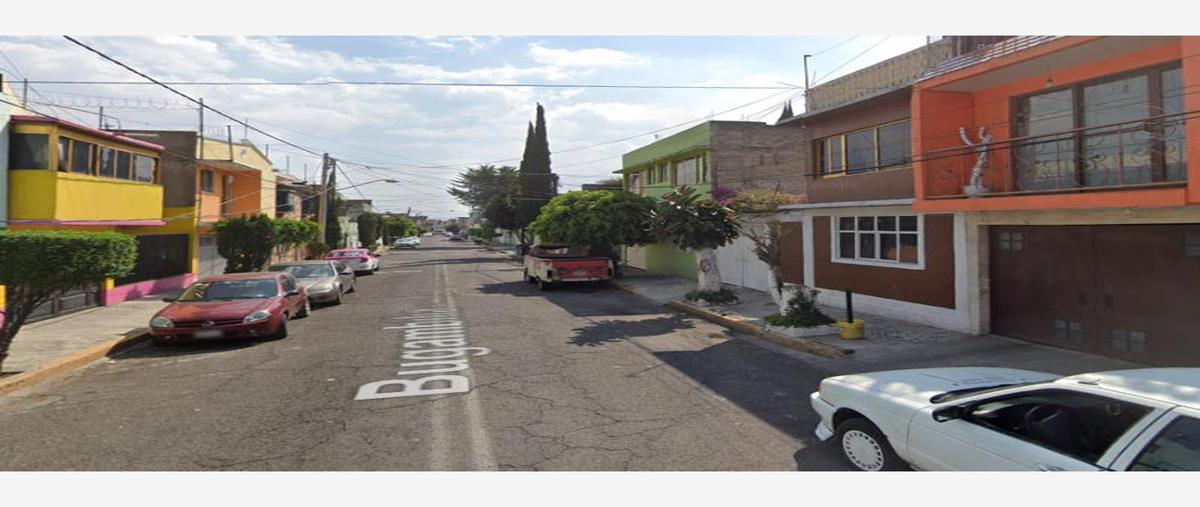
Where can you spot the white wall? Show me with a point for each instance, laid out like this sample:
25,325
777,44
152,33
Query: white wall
739,266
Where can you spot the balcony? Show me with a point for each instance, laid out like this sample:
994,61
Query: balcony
1143,154
41,197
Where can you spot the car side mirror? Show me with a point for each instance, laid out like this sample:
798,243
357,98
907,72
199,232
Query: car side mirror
949,413
346,271
293,292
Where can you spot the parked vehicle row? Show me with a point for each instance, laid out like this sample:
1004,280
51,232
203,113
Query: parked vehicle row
260,304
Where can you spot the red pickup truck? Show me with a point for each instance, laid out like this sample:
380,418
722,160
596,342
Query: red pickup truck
549,265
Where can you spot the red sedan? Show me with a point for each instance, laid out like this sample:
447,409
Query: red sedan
241,305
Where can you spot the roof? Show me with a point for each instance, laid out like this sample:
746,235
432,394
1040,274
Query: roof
1179,386
990,52
257,275
302,263
104,134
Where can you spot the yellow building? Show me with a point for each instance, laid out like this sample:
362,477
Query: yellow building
65,176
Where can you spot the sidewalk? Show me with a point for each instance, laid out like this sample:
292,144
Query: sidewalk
45,341
889,343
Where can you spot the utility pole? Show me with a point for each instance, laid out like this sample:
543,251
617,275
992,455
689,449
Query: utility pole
201,154
229,133
806,75
246,129
100,121
323,203
25,93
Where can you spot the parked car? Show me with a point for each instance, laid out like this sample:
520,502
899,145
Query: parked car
551,264
409,242
1007,419
325,281
360,260
241,305
455,237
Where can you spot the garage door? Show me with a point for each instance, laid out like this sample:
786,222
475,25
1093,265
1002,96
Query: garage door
1126,291
739,266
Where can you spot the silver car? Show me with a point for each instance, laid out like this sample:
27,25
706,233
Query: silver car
326,281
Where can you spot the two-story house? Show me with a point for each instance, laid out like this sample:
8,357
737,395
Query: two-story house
714,155
859,230
1081,202
66,176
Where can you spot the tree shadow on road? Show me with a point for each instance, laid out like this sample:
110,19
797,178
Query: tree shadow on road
583,299
771,386
608,331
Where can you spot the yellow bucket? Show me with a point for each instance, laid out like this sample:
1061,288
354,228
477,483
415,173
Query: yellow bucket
851,330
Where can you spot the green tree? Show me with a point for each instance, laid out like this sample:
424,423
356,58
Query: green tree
501,212
246,243
395,226
479,185
452,228
536,183
39,266
370,226
602,220
295,232
700,225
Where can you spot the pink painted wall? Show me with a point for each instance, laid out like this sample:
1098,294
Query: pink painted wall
127,292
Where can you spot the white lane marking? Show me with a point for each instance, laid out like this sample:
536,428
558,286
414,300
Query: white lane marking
481,444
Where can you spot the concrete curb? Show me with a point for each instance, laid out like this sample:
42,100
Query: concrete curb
70,362
751,326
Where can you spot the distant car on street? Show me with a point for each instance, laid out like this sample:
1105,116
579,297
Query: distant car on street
241,305
1006,419
325,281
361,260
455,237
408,242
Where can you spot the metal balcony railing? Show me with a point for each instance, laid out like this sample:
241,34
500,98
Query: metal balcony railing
1145,153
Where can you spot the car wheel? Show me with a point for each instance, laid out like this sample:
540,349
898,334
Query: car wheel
528,279
338,299
351,289
866,448
304,311
544,285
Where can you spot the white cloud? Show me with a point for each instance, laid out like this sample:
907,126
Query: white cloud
591,57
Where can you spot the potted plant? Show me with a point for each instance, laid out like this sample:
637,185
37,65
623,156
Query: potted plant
722,296
801,317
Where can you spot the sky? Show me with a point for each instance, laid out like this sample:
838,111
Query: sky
424,136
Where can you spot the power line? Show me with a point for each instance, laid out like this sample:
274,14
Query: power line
855,57
830,48
422,83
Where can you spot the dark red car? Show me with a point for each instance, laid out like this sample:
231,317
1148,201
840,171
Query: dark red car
241,305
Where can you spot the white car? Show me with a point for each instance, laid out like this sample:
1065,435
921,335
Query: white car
1007,419
409,242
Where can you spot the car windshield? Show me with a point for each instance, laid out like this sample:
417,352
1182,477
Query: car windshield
345,254
959,393
226,290
306,270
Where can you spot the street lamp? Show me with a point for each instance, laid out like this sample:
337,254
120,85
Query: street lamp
385,180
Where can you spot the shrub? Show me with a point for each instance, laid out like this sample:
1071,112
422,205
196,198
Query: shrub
801,311
38,266
245,242
716,297
295,232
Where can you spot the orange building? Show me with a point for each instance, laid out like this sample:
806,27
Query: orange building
1076,163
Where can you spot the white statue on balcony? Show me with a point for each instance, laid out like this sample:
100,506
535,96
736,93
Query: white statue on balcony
976,186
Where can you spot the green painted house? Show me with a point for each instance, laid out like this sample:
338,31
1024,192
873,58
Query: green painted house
658,168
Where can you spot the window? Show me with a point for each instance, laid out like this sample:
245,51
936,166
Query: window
1011,241
29,151
289,283
688,171
144,168
635,183
1118,147
123,165
64,154
81,157
1080,425
207,181
1177,448
866,150
885,240
108,162
703,168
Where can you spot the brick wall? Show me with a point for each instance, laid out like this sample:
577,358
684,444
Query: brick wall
884,76
750,154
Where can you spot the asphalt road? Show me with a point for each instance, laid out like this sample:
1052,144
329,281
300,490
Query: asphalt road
580,378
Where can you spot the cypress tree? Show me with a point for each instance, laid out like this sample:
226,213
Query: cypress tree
537,184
